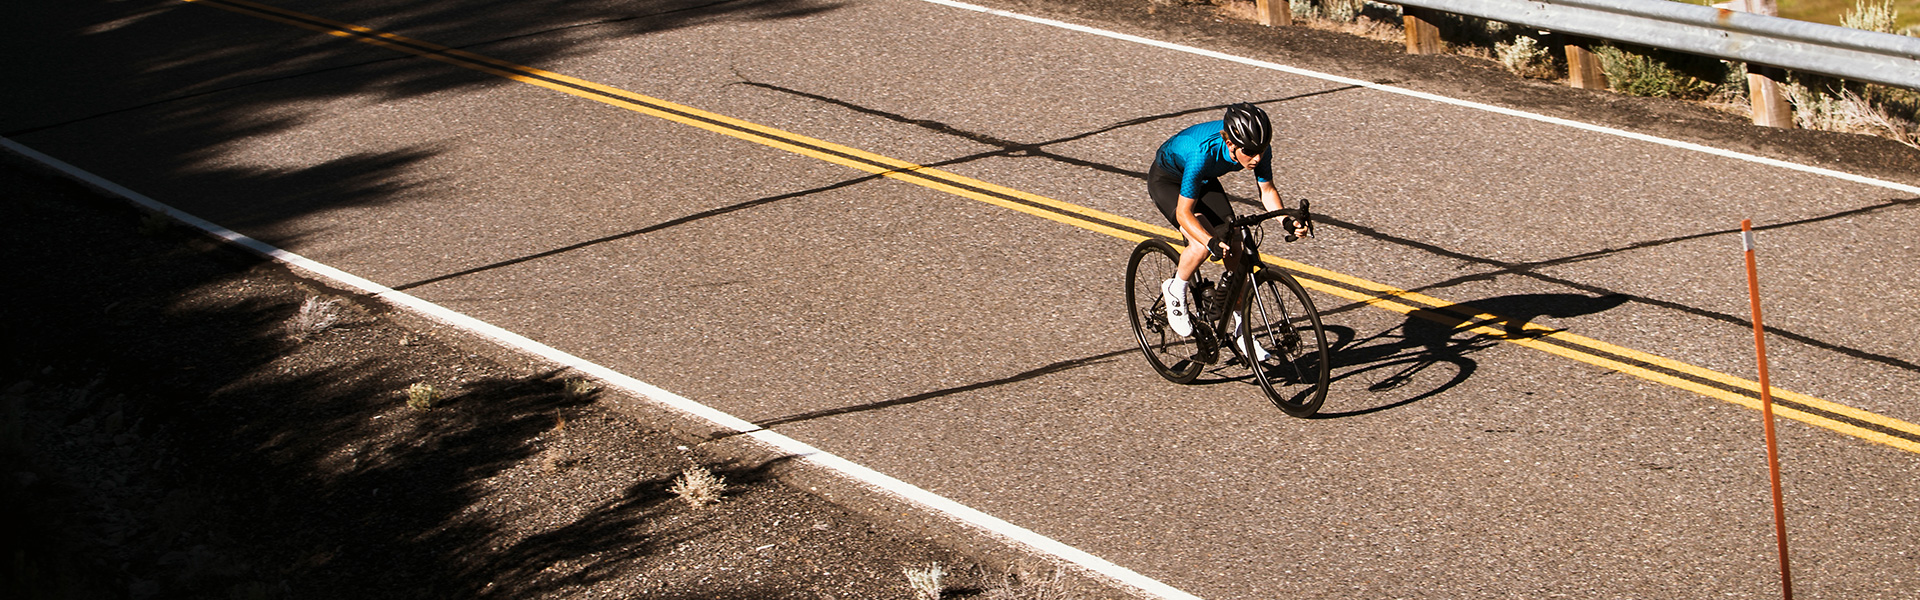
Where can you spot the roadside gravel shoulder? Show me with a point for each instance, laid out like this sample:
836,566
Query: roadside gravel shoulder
168,437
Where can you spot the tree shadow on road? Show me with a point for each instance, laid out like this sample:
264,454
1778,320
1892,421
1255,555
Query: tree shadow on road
165,96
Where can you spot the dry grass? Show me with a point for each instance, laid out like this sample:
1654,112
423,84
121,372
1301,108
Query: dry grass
1343,16
1338,11
1848,111
1021,585
925,582
699,487
1831,11
1242,11
1366,27
314,317
1863,109
557,457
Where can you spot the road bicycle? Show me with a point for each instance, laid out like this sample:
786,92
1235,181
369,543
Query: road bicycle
1273,311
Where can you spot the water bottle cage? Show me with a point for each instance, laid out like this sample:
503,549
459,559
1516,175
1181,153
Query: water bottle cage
1212,303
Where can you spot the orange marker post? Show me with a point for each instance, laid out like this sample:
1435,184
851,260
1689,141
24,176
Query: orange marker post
1766,409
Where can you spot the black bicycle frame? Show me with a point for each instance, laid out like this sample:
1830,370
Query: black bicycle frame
1240,246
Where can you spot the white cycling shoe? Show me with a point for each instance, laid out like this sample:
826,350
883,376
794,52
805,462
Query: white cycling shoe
1174,293
1240,340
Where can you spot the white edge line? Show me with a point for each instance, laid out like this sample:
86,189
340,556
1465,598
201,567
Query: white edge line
1436,98
885,483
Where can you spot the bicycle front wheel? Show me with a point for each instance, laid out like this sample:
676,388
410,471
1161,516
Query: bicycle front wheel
1285,325
1153,262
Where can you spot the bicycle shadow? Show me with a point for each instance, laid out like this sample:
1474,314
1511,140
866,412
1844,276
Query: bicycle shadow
1431,351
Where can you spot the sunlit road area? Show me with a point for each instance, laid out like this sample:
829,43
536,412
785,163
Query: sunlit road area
717,199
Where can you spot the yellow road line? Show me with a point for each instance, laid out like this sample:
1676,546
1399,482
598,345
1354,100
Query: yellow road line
1837,417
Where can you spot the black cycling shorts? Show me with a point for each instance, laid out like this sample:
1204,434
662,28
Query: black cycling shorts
1212,204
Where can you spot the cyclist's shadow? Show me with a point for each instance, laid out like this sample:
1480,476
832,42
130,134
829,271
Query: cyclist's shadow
1429,353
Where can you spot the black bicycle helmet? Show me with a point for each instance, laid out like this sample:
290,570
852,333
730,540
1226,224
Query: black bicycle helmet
1247,127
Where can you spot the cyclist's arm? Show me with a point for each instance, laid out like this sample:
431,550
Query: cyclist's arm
1263,175
1270,196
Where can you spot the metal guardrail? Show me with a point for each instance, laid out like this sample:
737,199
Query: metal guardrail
1842,52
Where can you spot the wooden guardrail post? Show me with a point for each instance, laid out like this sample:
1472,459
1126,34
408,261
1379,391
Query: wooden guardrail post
1770,107
1423,37
1583,66
1275,13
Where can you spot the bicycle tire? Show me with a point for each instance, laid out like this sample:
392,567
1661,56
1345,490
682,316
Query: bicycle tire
1284,321
1153,262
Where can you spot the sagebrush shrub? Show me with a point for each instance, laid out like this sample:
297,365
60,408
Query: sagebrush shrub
1525,57
1872,16
1647,75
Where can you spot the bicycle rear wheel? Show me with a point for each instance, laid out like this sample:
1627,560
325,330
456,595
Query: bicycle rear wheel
1285,324
1153,262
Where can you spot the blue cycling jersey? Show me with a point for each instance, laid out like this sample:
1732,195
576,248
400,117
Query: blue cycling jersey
1199,156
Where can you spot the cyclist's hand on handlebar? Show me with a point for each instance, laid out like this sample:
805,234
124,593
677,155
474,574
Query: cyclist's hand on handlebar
1298,223
1296,227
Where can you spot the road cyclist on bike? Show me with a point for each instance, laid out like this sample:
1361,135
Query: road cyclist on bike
1184,183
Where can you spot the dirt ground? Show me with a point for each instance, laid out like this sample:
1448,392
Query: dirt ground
166,434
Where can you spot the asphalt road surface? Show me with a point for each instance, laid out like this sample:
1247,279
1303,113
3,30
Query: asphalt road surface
982,353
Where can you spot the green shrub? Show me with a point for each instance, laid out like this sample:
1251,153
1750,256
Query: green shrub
580,387
1660,74
422,396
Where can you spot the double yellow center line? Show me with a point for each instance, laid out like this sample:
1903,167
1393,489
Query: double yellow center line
1837,417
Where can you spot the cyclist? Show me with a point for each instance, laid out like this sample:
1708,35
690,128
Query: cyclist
1184,183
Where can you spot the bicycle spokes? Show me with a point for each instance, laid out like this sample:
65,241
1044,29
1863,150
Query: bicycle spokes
1153,262
1282,316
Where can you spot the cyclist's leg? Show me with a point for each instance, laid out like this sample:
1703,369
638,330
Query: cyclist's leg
1211,207
1193,255
1165,191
